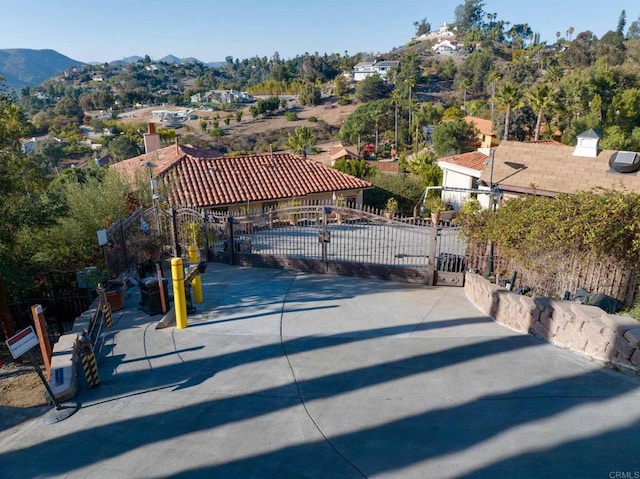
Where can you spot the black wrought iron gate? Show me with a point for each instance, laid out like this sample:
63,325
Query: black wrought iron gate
328,240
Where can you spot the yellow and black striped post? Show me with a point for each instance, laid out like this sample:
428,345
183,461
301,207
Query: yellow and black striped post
89,363
107,314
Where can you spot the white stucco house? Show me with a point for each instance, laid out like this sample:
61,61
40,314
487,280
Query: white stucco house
461,173
363,70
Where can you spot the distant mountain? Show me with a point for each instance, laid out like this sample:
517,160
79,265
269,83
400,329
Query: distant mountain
166,59
171,59
25,67
127,60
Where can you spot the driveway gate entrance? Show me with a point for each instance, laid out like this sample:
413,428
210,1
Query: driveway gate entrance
327,240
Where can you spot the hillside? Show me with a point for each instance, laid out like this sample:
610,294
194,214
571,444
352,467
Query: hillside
25,67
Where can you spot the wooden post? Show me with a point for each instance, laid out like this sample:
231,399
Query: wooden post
43,336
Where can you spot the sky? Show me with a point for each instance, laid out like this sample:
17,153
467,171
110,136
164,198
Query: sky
211,30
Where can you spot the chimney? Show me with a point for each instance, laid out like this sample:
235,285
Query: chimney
151,139
587,146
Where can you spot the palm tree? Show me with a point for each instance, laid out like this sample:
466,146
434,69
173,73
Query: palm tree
301,139
465,84
570,31
411,83
541,99
493,78
396,97
509,96
554,74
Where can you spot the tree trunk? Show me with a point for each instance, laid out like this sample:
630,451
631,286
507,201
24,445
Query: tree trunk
5,315
505,135
538,124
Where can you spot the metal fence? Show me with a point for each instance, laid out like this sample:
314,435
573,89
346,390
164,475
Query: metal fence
320,238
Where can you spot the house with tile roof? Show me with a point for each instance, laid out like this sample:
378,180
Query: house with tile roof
549,168
201,178
486,135
338,152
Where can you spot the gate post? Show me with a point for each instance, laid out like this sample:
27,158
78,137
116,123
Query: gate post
324,236
432,269
231,245
174,233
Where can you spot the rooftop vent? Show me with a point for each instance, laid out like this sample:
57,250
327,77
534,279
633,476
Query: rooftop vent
587,144
624,162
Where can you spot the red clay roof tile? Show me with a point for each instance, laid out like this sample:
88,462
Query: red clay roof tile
474,160
203,178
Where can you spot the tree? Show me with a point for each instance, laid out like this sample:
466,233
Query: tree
357,168
70,108
453,137
309,95
123,148
469,15
422,27
541,99
476,68
634,29
24,203
510,97
371,88
362,121
493,77
611,48
570,31
554,74
622,22
301,139
464,85
396,98
340,86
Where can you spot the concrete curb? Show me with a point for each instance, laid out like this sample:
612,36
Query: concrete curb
167,320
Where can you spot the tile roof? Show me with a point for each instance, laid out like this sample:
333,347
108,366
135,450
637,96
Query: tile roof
550,168
474,160
202,178
342,152
483,126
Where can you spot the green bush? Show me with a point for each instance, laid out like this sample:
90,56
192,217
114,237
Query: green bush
312,119
601,222
291,115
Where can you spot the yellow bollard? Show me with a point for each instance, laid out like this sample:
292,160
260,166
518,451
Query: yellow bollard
179,299
196,283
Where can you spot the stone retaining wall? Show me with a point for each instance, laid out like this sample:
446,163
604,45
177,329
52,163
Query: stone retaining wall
608,339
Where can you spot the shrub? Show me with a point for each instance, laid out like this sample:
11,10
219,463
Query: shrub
291,115
312,119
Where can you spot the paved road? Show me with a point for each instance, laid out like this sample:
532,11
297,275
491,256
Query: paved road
290,375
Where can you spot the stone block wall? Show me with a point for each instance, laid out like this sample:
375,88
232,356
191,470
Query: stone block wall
608,339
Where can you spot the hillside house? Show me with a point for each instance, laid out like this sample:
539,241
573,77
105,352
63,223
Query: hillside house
548,168
461,173
28,145
486,136
200,178
446,47
364,70
543,168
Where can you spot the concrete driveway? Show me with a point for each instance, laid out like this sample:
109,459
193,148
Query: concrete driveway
282,374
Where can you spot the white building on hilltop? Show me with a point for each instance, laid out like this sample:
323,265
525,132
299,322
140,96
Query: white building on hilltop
366,69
